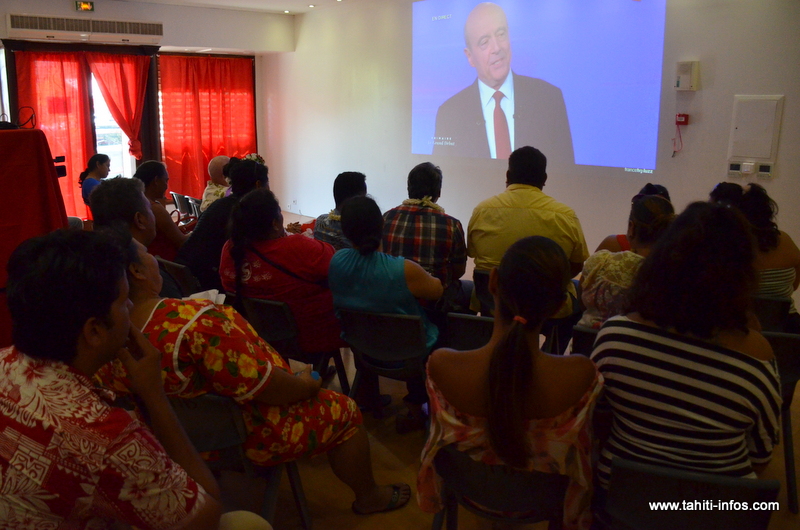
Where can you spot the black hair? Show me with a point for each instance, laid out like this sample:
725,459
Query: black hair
251,221
56,283
425,180
362,223
653,189
527,165
149,171
117,201
760,210
91,165
699,276
245,174
726,193
532,284
227,167
348,184
650,215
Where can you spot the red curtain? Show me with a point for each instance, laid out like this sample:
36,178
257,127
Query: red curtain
207,109
123,81
55,85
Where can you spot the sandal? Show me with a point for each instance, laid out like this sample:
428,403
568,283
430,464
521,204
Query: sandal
394,502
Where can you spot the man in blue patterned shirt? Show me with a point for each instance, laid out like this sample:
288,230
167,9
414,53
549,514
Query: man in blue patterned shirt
328,226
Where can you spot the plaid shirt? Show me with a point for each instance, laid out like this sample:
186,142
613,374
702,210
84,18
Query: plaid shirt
433,239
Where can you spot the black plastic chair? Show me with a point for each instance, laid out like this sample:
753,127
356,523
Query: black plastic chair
583,338
194,205
215,423
275,323
772,313
481,281
465,482
387,345
786,347
181,204
634,486
182,275
467,332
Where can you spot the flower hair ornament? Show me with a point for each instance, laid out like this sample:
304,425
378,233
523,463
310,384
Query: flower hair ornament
255,157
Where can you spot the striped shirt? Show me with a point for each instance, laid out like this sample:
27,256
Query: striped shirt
684,403
777,283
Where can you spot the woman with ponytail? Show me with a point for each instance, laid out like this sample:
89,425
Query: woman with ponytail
508,402
607,276
262,261
365,279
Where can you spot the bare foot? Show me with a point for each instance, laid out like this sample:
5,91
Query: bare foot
383,499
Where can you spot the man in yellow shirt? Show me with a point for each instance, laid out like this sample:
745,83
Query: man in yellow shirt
524,210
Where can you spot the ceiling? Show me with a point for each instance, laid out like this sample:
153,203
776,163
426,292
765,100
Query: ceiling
266,6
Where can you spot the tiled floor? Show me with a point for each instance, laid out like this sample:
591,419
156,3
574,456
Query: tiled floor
396,459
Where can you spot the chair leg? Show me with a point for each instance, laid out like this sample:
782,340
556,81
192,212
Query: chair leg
340,370
355,385
273,477
788,456
438,520
299,494
451,507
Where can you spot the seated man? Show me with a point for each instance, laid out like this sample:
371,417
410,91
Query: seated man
69,458
419,230
328,226
218,185
120,202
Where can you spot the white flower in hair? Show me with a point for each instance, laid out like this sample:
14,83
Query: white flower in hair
255,157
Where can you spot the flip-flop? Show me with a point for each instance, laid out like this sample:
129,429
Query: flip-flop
394,502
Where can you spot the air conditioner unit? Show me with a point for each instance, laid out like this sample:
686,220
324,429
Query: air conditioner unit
37,27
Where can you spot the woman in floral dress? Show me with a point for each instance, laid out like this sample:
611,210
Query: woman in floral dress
211,348
508,402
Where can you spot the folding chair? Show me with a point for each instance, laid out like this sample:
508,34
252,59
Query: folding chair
182,275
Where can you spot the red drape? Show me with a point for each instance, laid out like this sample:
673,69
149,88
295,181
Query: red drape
123,81
55,84
207,109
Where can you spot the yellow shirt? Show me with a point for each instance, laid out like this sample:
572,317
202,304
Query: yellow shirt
522,211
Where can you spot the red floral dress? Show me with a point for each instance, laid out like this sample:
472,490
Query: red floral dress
212,348
559,445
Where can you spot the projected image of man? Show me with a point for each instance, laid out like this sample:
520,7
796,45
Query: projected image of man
500,112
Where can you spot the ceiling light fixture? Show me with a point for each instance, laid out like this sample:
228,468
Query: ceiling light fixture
286,12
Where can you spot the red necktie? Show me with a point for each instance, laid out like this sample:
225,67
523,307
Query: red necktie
502,140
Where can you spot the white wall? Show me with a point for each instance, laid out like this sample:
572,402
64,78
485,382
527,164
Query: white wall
342,101
183,26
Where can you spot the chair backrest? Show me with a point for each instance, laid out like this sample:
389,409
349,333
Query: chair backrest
481,281
633,487
274,323
467,332
180,203
194,205
214,423
786,347
391,345
182,275
500,488
583,338
772,313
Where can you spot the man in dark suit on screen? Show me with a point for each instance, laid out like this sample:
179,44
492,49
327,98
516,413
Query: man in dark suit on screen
501,110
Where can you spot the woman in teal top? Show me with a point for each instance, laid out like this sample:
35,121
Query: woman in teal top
365,279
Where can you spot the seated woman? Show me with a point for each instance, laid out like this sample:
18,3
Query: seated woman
508,402
364,279
97,169
607,276
777,257
619,242
203,250
169,237
211,348
262,261
689,386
